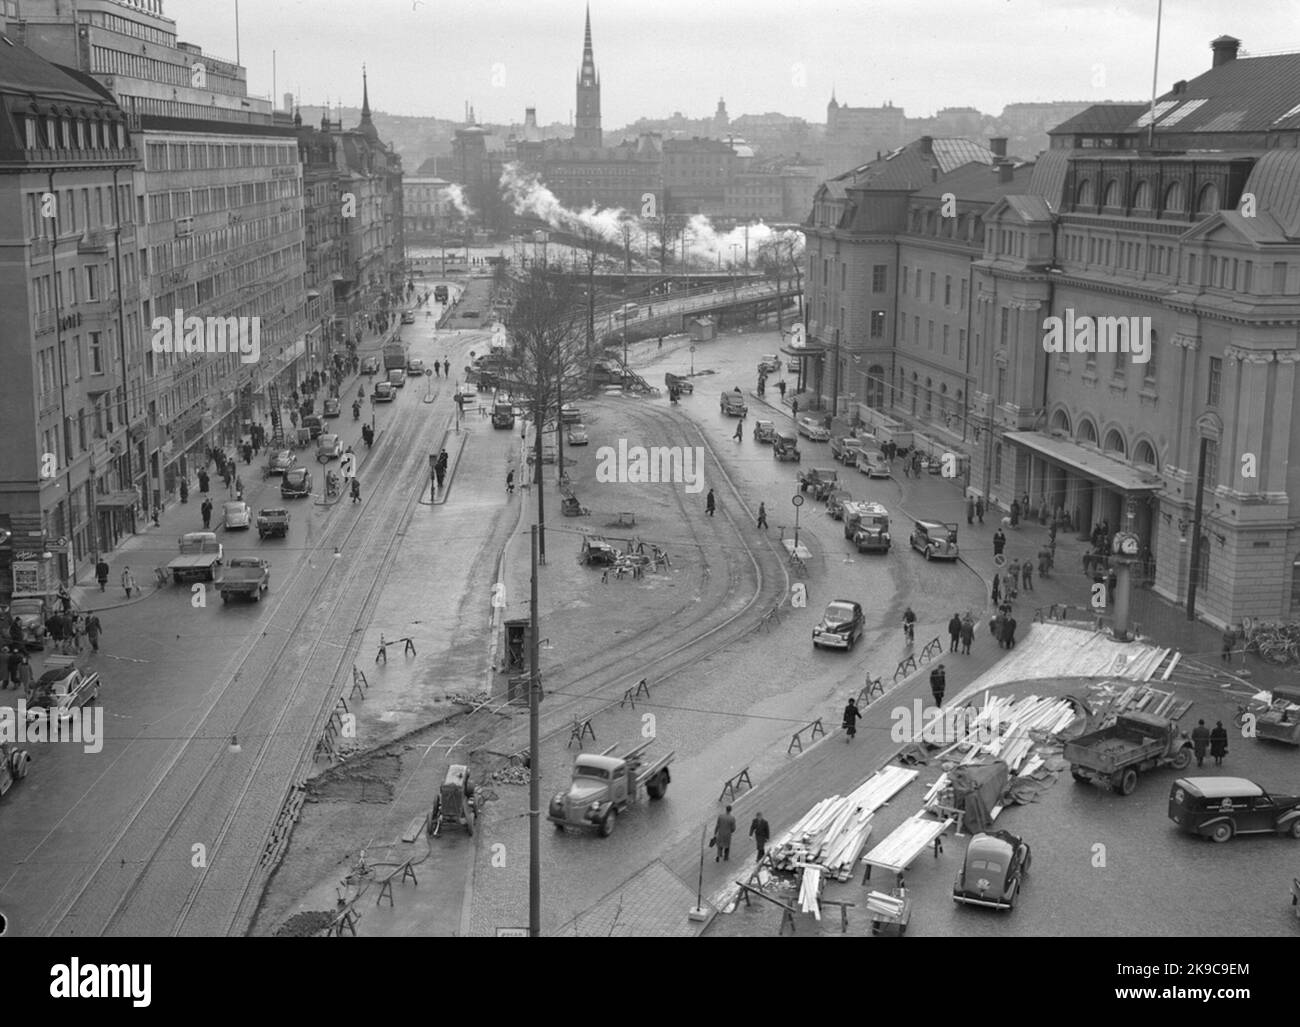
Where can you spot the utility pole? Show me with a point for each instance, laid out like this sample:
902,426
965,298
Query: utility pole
534,779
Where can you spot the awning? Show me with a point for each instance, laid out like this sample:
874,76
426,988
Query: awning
811,350
122,498
1088,462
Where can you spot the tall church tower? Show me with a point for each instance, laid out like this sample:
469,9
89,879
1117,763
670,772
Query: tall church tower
587,127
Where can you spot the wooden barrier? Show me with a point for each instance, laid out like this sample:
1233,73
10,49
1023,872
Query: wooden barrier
874,687
814,730
359,682
932,648
642,689
732,787
386,885
905,666
382,654
581,729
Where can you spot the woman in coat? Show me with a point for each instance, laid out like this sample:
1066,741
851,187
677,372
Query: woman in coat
1218,743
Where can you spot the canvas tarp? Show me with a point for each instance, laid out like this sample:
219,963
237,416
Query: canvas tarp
977,788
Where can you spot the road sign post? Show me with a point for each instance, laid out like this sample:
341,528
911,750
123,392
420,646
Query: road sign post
797,500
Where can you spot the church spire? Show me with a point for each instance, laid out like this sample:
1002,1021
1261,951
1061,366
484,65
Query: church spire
587,131
367,127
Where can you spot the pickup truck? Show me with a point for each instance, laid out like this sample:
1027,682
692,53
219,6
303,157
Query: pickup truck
201,554
1136,742
273,523
62,688
733,404
604,785
246,576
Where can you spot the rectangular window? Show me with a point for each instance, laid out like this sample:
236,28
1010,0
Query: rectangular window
844,277
963,294
916,330
877,324
879,277
961,343
929,334
1002,384
947,290
76,358
1003,327
96,352
932,278
1211,463
1216,381
945,340
1248,278
1279,278
92,283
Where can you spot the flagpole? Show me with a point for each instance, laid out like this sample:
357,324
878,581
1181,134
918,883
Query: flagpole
1155,76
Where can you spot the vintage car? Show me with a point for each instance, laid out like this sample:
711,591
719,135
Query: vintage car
278,461
993,871
384,392
845,449
785,446
813,428
329,447
841,625
314,425
569,414
577,435
273,522
873,463
867,524
31,613
821,481
415,367
370,365
835,501
332,407
792,365
13,765
397,377
62,688
936,539
408,317
771,362
681,383
297,482
1222,807
236,514
1280,721
764,431
596,552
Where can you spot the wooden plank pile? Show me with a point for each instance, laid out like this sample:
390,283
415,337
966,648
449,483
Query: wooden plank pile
810,890
1111,698
907,842
885,907
1012,728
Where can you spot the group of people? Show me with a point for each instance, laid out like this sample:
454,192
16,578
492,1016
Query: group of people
1214,741
725,827
961,632
67,630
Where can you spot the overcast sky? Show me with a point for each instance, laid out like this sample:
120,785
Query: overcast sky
427,57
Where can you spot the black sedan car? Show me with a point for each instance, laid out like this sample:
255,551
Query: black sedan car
993,870
297,483
1223,807
841,625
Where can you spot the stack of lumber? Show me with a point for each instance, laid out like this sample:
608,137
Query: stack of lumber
810,890
907,842
884,907
1008,729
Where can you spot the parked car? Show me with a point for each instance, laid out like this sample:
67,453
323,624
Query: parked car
62,688
785,446
397,377
331,407
408,317
13,765
771,362
841,625
820,480
297,482
329,447
845,449
415,368
764,431
384,392
236,514
569,414
792,365
577,435
1223,807
596,552
370,365
31,613
278,461
314,425
835,501
937,540
993,871
873,463
813,428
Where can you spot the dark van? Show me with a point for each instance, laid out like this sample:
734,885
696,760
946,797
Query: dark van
1221,807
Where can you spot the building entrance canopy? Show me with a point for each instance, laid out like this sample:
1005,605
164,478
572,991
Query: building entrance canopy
1088,462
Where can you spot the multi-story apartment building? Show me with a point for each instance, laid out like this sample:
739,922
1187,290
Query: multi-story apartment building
778,189
428,210
70,294
696,173
856,134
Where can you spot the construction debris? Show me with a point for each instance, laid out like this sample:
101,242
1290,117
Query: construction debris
509,775
884,906
468,698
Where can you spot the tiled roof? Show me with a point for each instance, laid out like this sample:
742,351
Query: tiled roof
1249,94
976,182
908,168
24,72
1048,179
1101,119
953,153
1030,208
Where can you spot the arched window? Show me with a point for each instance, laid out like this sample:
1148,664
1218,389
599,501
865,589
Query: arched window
1087,433
1145,456
1174,202
1061,422
1110,195
1207,202
1083,194
1142,196
1115,443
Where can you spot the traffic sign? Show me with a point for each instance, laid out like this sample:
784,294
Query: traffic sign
797,500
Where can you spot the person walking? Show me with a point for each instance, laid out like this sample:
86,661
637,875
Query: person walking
967,634
185,491
780,387
938,684
909,625
1027,576
1229,643
794,408
722,832
996,594
710,504
762,516
1218,743
206,510
954,633
850,720
999,541
65,598
1015,513
128,581
356,490
14,661
1200,742
510,482
1009,631
93,630
1009,590
970,510
446,368
101,573
1044,561
979,508
740,430
760,832
25,675
204,480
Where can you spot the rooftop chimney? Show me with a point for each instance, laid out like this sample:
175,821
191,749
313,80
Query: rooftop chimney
1225,50
998,144
1006,171
1180,86
927,145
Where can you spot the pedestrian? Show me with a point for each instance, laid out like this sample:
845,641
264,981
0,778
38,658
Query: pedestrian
760,832
1027,576
999,541
954,633
356,490
1229,642
938,683
1024,505
740,430
510,482
101,573
909,625
204,480
762,516
1009,631
248,452
239,488
979,508
206,511
14,662
916,465
1218,743
1200,742
128,581
794,408
446,368
970,510
996,594
65,598
25,674
710,504
850,720
1009,590
967,635
1015,513
93,630
1044,560
722,832
780,387
437,369
77,628
185,491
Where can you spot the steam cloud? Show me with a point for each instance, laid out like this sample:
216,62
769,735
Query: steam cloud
456,194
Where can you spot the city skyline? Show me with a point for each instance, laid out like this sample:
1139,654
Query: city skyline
528,61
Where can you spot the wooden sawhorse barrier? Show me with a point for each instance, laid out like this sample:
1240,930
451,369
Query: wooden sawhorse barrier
874,687
581,729
734,783
640,689
905,666
932,649
382,654
386,885
359,682
815,729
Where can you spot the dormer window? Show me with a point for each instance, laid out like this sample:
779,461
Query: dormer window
1174,202
1083,194
1207,202
1142,196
